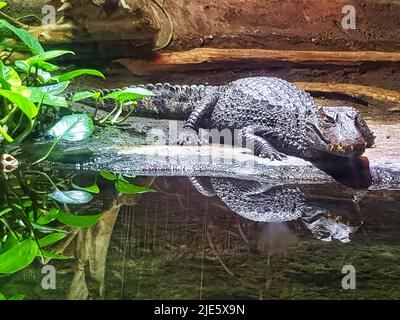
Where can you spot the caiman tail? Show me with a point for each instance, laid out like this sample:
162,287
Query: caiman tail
173,102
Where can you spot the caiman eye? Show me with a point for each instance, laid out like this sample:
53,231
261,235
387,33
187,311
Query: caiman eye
329,120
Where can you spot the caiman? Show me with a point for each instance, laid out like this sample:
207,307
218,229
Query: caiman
272,115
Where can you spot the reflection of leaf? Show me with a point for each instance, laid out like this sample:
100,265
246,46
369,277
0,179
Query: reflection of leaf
52,255
46,229
75,127
5,211
17,297
94,188
78,221
47,218
51,239
71,197
108,175
18,257
10,242
129,188
14,297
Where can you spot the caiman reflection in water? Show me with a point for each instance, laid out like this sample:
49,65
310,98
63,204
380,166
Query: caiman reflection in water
268,202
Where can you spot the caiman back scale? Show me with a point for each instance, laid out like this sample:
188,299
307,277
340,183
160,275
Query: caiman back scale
270,114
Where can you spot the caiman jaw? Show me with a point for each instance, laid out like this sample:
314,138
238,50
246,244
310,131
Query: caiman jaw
353,150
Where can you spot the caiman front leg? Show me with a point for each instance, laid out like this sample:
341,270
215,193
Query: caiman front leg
189,134
254,137
201,188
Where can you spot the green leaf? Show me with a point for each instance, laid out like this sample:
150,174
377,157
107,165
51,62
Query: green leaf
74,127
53,88
49,217
9,75
71,197
78,221
52,255
9,243
77,73
35,94
47,66
17,297
129,94
84,95
94,188
129,188
30,41
108,175
18,257
2,297
43,76
46,229
2,4
5,211
5,135
21,102
48,55
51,239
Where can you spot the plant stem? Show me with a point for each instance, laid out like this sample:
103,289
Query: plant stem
13,21
48,152
8,116
109,115
126,117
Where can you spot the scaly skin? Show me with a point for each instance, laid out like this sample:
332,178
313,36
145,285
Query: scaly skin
273,203
271,116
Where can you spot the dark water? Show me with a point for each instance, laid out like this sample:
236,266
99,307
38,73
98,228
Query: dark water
249,240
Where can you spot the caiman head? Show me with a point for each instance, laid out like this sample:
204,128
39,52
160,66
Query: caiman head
341,131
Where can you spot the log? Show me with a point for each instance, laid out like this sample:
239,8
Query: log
212,58
371,95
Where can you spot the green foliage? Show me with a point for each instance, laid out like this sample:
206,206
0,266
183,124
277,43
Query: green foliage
122,185
31,219
78,221
71,197
32,88
18,257
120,98
31,93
